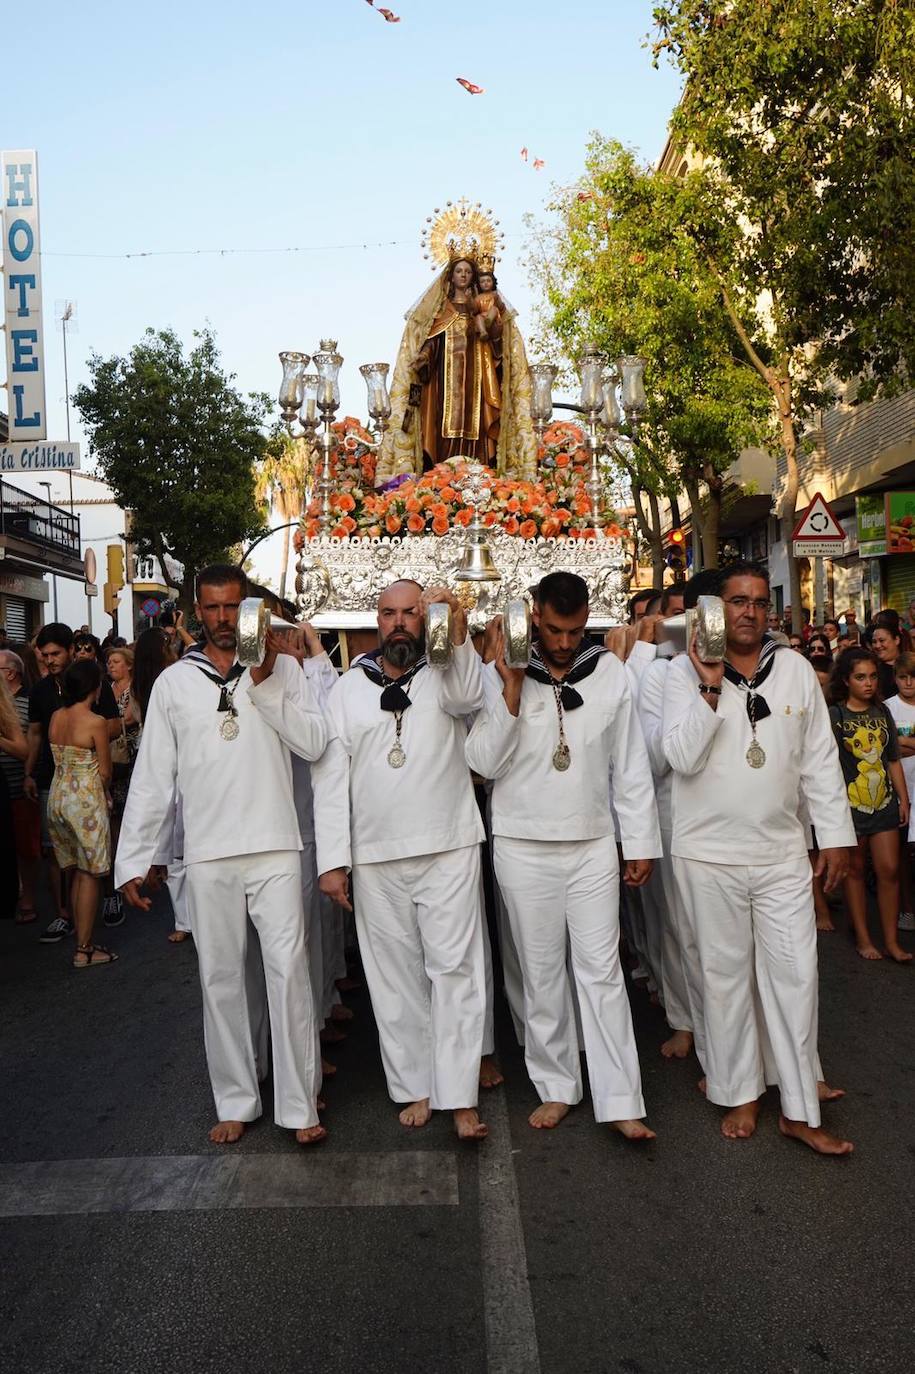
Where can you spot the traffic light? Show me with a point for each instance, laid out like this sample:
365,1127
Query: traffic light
676,551
115,567
110,594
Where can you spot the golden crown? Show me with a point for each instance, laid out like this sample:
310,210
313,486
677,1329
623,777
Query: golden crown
462,230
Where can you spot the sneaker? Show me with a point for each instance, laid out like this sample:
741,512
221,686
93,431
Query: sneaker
906,920
113,911
58,928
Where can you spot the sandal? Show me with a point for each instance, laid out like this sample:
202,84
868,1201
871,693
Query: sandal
88,952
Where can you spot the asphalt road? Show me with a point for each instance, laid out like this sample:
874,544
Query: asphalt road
562,1251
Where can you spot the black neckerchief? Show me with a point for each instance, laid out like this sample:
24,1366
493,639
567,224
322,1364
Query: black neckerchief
583,666
393,695
201,661
757,706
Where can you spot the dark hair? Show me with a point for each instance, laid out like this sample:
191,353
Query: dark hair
55,633
151,653
705,583
81,680
818,637
488,272
646,594
675,589
830,620
83,639
889,621
566,592
221,575
837,689
744,567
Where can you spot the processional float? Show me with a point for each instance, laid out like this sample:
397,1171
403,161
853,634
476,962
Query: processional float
473,542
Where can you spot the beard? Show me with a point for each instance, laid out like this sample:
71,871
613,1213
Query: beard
403,651
223,638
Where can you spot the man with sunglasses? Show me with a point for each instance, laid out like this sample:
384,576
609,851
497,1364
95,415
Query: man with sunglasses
748,739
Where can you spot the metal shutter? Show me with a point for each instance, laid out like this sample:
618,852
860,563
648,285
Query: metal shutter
16,618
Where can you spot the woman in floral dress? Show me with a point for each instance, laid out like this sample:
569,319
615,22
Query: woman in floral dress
78,802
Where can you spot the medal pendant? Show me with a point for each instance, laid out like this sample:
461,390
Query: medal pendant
756,755
396,756
229,728
562,757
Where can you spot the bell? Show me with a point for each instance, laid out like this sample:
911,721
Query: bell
254,620
517,631
674,635
476,563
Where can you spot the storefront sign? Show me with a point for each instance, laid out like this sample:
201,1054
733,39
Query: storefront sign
17,584
44,457
870,512
22,295
900,521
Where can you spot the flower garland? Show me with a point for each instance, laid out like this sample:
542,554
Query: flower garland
555,506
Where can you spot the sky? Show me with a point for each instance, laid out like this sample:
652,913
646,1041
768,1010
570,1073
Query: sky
317,127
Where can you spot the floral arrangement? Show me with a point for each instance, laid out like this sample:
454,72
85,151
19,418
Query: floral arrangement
556,505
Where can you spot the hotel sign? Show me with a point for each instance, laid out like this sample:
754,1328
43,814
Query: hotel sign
22,295
46,456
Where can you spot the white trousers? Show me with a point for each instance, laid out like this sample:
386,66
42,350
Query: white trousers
420,925
333,957
176,883
563,890
314,942
680,975
755,933
222,894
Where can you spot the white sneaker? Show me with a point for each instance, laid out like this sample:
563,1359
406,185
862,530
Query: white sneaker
906,920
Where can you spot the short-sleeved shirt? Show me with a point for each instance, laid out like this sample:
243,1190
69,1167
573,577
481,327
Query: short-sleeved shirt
45,698
867,746
14,769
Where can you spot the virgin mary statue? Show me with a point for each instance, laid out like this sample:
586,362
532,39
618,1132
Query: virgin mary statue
461,385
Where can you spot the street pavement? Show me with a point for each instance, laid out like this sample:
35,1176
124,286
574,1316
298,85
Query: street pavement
128,1242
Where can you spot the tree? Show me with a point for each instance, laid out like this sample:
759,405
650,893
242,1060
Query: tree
621,269
803,111
281,484
178,445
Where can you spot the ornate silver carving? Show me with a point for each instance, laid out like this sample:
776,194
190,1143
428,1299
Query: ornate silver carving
338,581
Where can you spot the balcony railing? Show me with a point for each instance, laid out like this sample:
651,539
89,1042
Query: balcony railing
23,515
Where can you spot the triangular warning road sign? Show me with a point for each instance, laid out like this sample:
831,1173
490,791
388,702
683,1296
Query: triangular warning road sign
818,523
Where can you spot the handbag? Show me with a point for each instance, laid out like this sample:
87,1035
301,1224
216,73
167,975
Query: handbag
120,749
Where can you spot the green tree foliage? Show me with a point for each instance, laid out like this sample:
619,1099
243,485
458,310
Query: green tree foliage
178,445
620,267
803,113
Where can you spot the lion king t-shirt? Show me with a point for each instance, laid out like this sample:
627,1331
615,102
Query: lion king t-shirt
867,746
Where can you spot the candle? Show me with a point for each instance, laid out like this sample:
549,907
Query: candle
310,408
328,393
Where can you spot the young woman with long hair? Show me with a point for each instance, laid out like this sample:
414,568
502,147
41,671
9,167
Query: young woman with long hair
877,794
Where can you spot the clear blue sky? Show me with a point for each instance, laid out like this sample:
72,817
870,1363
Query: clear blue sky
198,125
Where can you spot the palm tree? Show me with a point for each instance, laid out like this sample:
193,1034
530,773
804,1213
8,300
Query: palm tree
280,485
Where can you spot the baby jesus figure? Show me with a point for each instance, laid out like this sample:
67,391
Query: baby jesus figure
488,308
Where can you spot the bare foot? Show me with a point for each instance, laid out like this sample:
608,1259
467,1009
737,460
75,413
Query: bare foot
330,1035
311,1135
702,1086
227,1132
178,937
827,1094
815,1137
678,1046
902,956
417,1114
868,952
327,1068
468,1125
740,1122
548,1115
339,1012
825,923
490,1073
348,984
633,1130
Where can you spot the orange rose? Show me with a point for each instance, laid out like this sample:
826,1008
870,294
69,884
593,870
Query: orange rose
415,524
448,494
550,528
514,505
489,518
345,502
562,460
528,529
374,531
312,529
348,524
392,523
439,511
510,525
412,505
339,532
463,516
440,525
